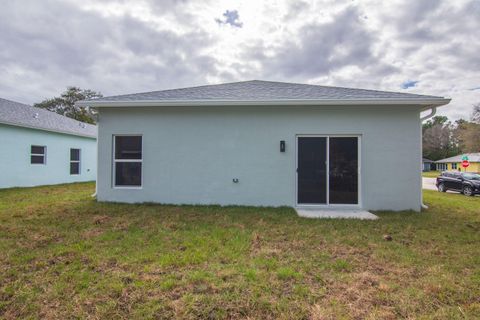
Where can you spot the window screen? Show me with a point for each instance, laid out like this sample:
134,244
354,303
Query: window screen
128,147
74,161
127,160
38,154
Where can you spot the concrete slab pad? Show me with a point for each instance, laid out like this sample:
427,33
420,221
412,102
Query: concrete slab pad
335,214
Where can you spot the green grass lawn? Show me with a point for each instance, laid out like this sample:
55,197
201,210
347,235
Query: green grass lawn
65,256
431,174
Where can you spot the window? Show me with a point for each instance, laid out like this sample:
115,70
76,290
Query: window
74,161
471,176
127,161
454,166
38,154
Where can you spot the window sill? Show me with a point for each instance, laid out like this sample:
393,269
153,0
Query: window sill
127,187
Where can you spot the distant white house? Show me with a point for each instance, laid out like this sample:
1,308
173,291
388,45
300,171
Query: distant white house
263,143
39,147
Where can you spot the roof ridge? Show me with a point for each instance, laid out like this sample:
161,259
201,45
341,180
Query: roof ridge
172,89
262,81
16,102
340,87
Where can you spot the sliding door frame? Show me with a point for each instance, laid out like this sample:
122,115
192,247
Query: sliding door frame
359,171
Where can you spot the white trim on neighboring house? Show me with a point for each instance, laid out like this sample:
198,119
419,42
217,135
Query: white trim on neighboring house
45,129
114,161
427,102
328,205
442,166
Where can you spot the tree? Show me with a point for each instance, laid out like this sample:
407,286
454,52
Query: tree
476,113
437,120
469,137
439,139
443,139
65,104
468,132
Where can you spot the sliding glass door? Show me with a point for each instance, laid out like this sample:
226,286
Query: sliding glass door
327,170
312,170
343,170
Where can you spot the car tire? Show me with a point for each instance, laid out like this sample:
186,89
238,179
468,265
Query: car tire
468,191
441,188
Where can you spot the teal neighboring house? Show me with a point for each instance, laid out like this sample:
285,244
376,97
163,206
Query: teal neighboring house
39,147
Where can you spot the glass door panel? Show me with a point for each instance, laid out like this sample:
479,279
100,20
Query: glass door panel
343,170
312,170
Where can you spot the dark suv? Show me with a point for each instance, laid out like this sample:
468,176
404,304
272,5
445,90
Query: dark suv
465,182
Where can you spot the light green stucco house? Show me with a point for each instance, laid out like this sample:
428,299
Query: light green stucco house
39,147
263,143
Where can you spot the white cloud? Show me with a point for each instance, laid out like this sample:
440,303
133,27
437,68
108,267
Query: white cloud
128,46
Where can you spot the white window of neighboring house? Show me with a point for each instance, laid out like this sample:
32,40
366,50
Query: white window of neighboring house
38,154
454,165
127,161
74,161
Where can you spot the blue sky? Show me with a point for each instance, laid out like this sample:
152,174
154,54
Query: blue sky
409,84
231,18
429,46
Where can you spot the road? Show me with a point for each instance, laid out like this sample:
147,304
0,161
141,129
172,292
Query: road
429,183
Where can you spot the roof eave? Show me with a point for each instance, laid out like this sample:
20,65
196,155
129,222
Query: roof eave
427,103
14,124
449,160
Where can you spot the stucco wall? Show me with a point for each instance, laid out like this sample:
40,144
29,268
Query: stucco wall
17,171
191,154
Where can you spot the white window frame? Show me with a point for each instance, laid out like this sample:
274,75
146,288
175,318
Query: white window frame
44,155
114,162
75,161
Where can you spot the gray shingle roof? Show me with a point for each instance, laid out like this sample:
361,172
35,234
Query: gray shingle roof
15,113
472,157
257,90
